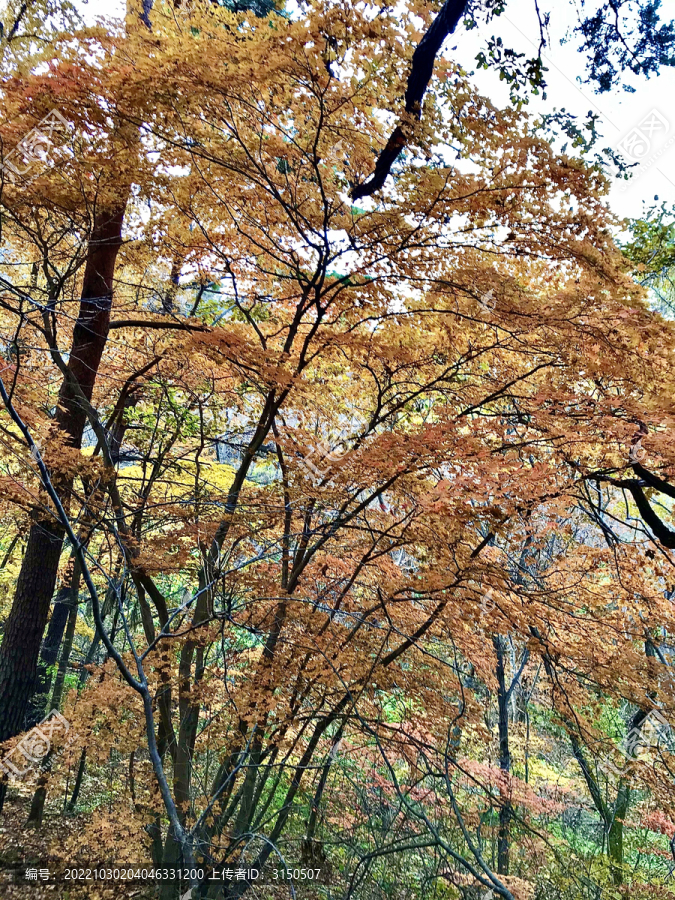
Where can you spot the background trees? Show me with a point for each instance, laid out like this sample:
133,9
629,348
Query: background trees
366,505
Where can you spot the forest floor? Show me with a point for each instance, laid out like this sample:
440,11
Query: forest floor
42,849
69,842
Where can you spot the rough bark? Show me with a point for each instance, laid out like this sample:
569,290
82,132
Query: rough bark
35,585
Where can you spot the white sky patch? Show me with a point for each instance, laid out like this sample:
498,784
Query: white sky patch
619,110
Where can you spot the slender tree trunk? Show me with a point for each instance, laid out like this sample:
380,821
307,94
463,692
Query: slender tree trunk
37,806
26,622
63,604
40,796
10,551
170,295
182,773
615,833
78,781
504,759
65,654
25,626
187,734
613,816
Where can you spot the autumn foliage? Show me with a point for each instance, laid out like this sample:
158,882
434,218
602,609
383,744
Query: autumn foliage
357,512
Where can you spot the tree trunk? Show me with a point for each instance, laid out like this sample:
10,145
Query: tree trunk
26,622
37,806
25,625
63,603
504,759
78,781
615,833
187,735
65,656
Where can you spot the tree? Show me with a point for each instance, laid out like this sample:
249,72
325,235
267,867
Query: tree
409,391
26,623
606,42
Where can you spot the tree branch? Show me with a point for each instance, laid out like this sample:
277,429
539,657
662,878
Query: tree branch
420,75
661,532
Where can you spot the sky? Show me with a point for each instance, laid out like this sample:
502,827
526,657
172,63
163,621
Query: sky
641,123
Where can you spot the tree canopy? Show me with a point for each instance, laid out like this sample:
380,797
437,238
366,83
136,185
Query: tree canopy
336,476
